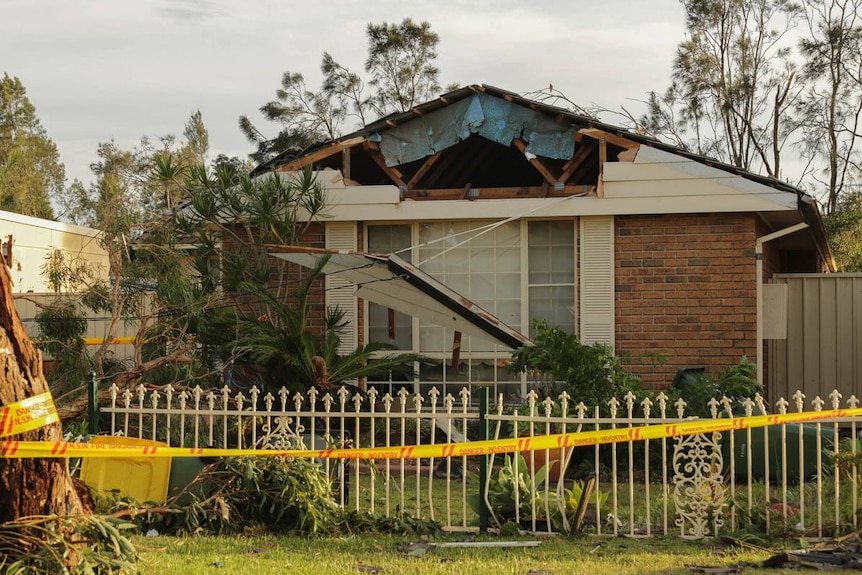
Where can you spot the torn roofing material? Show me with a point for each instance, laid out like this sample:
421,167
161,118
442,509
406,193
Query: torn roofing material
493,118
390,281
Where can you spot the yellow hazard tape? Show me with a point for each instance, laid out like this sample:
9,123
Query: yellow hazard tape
114,341
31,413
26,449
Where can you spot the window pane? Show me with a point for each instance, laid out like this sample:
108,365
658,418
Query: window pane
562,232
481,287
551,275
481,260
378,327
508,234
387,239
554,304
539,234
508,260
508,285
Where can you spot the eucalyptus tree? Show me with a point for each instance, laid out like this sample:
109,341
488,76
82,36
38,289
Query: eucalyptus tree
734,84
401,74
832,104
31,173
30,486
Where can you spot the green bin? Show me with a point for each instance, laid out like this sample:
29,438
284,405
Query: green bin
758,438
183,472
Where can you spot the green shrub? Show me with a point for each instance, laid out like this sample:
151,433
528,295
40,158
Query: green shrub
588,373
735,382
277,493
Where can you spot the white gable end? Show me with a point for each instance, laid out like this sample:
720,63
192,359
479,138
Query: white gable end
661,175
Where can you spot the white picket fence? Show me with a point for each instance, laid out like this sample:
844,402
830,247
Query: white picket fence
691,486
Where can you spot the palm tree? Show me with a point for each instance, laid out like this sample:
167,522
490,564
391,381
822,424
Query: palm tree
284,347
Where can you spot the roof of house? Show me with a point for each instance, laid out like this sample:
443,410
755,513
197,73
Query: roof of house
396,119
400,145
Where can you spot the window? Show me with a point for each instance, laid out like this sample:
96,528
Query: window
551,277
385,325
517,271
487,269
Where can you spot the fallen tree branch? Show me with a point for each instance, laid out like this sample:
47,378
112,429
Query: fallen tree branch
78,406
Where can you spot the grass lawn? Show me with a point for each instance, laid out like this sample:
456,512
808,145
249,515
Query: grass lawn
366,552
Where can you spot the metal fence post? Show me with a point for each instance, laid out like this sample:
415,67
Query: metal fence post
484,401
92,405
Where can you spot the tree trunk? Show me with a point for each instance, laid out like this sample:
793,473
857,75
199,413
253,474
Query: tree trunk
28,486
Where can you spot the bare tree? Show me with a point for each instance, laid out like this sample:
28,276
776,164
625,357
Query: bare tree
402,74
734,84
830,110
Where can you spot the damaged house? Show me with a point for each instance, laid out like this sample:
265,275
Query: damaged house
531,211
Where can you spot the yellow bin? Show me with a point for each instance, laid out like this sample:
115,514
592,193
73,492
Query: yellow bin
142,478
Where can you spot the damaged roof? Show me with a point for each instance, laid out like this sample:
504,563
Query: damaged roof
559,115
526,149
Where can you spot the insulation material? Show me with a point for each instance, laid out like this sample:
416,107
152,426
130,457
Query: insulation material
497,120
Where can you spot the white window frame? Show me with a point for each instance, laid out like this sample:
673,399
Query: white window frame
467,356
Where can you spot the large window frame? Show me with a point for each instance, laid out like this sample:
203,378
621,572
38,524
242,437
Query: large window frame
480,362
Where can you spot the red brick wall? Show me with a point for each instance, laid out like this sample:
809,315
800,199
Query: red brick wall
685,288
314,237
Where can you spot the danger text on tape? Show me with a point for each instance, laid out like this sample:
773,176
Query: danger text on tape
28,414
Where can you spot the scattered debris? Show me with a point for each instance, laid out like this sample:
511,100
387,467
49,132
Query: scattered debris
369,569
823,559
152,533
217,564
418,549
489,544
716,570
539,572
842,553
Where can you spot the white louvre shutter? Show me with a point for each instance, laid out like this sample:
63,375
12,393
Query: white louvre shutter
597,280
340,292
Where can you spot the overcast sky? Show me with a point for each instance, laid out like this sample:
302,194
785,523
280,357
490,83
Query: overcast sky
122,69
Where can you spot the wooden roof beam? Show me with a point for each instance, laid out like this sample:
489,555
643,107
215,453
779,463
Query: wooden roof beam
537,163
321,154
608,137
423,169
578,158
520,192
439,168
394,174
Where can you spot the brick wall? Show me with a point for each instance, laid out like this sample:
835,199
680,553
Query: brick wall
314,236
685,288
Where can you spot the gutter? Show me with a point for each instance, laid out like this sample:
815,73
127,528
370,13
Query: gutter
758,255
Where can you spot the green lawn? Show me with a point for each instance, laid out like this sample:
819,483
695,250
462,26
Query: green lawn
363,552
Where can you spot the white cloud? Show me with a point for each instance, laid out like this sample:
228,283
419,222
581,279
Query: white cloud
101,69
